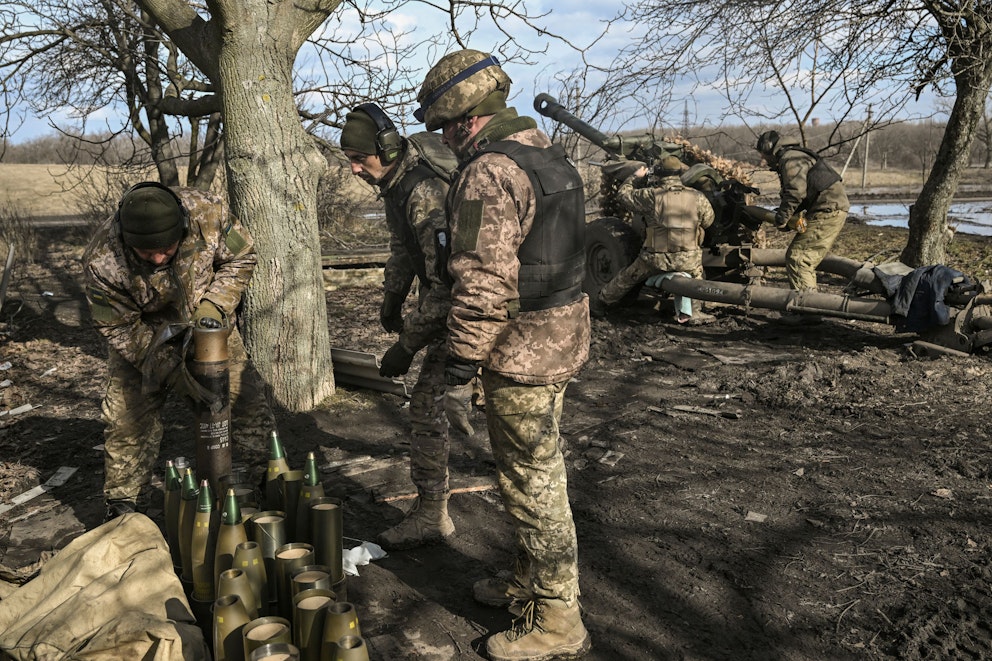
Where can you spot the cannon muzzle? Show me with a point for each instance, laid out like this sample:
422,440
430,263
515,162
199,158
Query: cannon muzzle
616,145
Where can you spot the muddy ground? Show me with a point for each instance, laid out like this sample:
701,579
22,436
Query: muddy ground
743,490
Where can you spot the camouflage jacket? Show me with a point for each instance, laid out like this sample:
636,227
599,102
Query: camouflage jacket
491,209
793,168
130,298
677,216
413,250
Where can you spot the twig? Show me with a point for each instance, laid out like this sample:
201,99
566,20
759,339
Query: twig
844,612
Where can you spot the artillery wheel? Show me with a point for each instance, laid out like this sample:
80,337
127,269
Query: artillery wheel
611,244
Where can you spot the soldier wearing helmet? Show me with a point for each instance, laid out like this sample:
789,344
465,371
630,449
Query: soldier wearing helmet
677,218
517,224
811,187
166,261
412,175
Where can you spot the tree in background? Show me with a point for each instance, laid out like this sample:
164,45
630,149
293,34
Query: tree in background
822,58
99,58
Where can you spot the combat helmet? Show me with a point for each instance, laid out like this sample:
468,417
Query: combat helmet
770,142
465,83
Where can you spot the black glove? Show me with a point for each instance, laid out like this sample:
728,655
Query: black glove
207,315
391,312
396,361
458,372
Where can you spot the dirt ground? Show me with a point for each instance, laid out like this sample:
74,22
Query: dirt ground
743,490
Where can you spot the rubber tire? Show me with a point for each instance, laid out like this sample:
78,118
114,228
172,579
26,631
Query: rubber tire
611,244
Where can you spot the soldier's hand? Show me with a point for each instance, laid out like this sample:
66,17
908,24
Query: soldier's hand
459,372
207,315
621,170
396,361
390,314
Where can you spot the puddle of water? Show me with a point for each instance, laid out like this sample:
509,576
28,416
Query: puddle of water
970,217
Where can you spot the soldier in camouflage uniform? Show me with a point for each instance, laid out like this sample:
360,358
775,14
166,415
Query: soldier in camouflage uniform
811,186
164,262
516,215
677,220
412,175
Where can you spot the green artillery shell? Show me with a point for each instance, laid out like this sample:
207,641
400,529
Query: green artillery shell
277,466
311,489
173,498
276,652
187,512
203,542
231,533
210,368
309,577
349,648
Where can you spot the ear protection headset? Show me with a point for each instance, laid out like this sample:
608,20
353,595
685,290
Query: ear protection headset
184,212
388,142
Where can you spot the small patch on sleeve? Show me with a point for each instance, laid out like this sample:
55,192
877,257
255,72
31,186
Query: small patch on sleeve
100,307
466,236
235,242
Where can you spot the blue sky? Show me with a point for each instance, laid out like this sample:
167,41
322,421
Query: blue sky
579,22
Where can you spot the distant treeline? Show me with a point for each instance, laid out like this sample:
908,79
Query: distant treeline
904,146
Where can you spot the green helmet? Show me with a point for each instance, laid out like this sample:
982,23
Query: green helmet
465,83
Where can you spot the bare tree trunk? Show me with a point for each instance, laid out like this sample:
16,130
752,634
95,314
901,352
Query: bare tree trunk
928,216
273,168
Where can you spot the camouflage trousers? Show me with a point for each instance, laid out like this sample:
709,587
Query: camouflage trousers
429,444
647,264
523,431
133,421
808,249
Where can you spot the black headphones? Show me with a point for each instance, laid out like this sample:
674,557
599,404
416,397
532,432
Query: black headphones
388,142
184,212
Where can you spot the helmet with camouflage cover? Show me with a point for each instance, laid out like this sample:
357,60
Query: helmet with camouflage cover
465,83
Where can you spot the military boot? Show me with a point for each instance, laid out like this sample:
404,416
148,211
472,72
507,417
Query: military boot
426,523
699,318
546,629
500,591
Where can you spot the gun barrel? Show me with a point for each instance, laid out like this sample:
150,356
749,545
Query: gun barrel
548,106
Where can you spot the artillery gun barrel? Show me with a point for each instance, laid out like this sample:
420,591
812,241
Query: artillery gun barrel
548,106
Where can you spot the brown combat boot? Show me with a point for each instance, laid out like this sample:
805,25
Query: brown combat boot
427,522
546,629
500,591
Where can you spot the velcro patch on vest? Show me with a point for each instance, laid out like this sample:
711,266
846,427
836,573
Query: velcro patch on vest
469,224
100,307
235,242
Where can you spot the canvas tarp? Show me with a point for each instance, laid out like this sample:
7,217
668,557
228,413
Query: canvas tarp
111,593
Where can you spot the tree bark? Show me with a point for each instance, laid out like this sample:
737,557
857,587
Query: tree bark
248,48
928,233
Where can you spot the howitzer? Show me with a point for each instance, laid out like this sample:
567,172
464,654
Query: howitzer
614,238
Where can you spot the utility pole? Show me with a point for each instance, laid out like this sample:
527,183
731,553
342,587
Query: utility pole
864,164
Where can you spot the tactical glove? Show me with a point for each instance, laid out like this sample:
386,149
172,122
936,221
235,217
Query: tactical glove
459,372
207,315
390,315
396,361
159,368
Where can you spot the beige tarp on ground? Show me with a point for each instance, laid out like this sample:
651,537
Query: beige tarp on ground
110,594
